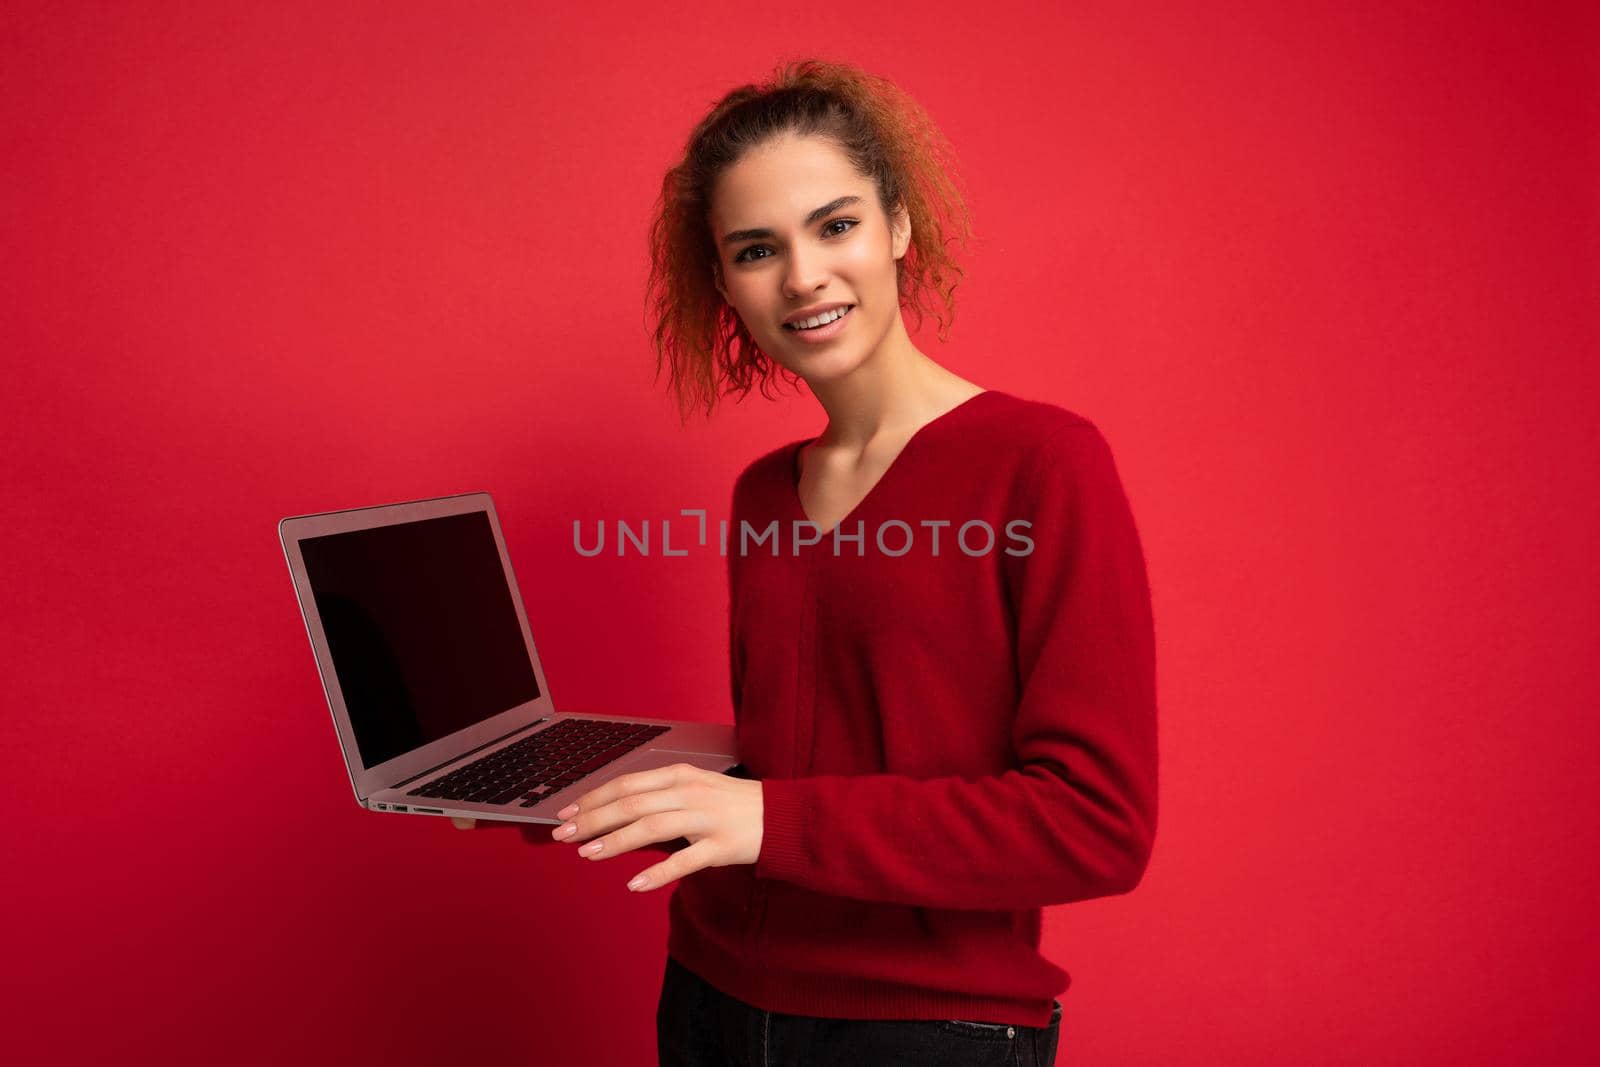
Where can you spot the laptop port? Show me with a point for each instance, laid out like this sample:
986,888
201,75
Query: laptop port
430,811
398,807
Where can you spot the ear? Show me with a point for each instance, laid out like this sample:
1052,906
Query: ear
900,230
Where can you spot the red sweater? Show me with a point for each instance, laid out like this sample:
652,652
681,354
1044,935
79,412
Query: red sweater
952,731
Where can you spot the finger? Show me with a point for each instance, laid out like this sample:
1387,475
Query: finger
463,824
621,800
626,810
636,782
650,830
696,857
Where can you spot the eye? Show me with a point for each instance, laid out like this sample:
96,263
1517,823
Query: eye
849,224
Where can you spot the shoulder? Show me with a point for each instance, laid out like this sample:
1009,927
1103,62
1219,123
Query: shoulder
1041,418
1051,457
764,479
774,466
1024,434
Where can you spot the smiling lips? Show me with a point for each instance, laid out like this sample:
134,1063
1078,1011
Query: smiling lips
820,320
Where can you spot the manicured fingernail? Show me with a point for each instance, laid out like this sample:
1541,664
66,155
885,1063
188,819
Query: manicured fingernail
567,812
638,883
566,831
592,848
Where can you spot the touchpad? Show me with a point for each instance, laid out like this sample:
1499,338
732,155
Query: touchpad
704,760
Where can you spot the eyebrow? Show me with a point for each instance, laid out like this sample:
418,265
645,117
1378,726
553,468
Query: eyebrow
826,209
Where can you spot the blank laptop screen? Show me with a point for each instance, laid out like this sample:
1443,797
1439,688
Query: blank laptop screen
424,636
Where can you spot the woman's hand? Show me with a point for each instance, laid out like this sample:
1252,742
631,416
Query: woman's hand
720,816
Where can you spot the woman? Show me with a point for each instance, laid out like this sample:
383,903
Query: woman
940,644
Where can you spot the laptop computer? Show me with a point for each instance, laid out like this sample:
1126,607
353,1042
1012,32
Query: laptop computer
430,670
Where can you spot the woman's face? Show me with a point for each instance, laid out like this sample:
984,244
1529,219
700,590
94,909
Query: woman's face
809,250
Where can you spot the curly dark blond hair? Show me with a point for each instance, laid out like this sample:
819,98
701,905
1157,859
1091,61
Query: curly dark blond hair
887,136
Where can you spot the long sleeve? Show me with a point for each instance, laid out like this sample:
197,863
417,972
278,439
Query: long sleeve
1076,820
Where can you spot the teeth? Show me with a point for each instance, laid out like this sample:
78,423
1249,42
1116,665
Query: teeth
818,320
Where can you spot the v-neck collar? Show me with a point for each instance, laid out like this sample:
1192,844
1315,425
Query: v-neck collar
794,463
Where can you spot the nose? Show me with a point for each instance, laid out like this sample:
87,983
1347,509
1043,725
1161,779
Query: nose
805,273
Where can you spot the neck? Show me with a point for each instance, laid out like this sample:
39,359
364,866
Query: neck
888,396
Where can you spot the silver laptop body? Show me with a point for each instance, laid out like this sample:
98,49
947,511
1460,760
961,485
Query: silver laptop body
428,664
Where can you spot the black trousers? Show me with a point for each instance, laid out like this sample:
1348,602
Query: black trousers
697,1025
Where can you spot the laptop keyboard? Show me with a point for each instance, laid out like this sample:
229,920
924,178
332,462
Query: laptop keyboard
542,764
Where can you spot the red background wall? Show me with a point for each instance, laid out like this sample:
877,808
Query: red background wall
1325,277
